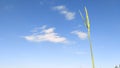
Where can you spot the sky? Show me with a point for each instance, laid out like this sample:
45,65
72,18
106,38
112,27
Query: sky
51,33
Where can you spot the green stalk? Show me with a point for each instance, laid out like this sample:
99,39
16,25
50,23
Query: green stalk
91,51
87,24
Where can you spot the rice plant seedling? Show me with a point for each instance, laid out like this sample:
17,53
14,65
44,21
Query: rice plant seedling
87,25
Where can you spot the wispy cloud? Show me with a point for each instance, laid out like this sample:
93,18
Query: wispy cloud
37,29
46,34
63,10
81,35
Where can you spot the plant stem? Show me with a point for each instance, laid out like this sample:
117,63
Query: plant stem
91,51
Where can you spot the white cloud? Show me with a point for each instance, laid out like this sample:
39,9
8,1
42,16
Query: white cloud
46,35
61,7
63,10
38,28
81,35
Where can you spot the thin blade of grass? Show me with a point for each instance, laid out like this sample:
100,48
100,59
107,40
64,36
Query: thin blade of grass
88,27
87,19
83,18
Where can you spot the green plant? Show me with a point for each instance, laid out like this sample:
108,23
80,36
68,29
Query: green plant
116,67
87,25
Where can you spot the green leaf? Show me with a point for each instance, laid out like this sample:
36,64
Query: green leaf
87,22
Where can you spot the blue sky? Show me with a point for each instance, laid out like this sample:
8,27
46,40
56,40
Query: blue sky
51,33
